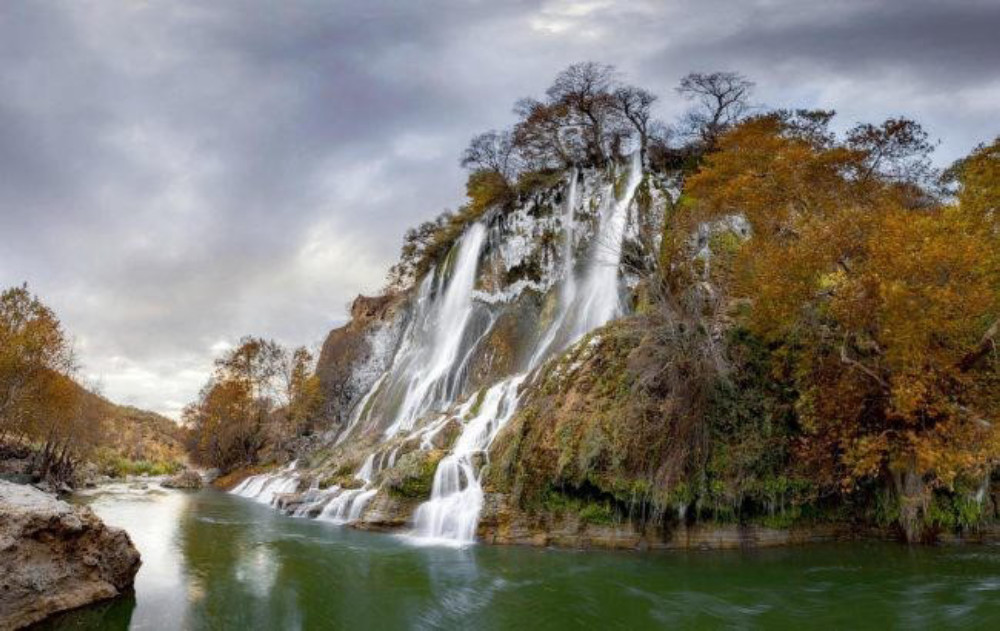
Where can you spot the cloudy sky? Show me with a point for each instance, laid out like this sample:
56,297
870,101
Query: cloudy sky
175,174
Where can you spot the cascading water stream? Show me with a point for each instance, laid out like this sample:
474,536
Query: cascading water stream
452,514
449,324
428,368
599,295
427,373
567,293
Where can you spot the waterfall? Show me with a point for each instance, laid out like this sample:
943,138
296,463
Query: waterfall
431,380
600,297
265,487
567,294
452,514
427,372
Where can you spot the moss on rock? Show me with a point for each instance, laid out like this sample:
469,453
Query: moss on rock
413,475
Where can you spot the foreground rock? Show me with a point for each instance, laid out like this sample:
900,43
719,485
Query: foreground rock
186,479
54,556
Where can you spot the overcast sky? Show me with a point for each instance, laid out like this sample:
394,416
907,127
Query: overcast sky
176,174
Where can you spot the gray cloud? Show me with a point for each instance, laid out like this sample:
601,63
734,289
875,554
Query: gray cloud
176,174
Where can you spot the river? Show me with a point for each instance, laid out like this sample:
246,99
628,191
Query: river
215,561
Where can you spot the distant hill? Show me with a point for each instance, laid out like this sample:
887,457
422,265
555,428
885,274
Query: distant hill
137,435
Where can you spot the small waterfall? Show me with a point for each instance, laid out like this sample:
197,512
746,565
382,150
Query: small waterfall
265,487
600,298
567,293
452,514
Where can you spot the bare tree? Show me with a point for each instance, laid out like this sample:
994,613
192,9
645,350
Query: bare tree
722,98
812,126
546,135
898,149
634,105
493,151
586,88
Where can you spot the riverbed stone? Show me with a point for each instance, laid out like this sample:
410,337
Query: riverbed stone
187,479
55,556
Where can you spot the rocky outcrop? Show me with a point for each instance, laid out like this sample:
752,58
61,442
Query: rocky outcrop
350,347
187,479
54,557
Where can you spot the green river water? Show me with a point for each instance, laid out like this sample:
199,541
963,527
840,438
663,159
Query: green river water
214,561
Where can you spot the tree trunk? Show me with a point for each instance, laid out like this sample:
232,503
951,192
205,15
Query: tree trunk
911,491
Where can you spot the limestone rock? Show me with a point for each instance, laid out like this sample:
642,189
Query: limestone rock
54,556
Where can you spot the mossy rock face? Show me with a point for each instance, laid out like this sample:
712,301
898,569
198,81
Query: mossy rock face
447,435
413,475
343,480
507,346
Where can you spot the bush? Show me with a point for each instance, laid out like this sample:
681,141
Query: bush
115,465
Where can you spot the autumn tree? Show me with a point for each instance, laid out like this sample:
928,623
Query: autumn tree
260,396
879,305
40,403
33,347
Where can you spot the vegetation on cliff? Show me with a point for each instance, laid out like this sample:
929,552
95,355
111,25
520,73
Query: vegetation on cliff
838,364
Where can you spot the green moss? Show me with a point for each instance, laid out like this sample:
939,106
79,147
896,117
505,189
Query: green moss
477,405
954,510
597,513
413,476
591,511
343,480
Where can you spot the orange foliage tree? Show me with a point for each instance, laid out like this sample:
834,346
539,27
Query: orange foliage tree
890,310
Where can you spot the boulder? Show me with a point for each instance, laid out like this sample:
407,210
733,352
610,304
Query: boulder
186,479
54,556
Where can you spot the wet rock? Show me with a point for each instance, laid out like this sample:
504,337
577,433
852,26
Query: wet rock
413,475
288,502
54,556
387,511
187,479
349,347
447,435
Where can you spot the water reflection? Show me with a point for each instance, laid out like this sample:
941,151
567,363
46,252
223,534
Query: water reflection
212,561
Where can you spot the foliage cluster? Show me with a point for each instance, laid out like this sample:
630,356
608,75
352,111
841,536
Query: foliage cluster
43,408
589,117
261,397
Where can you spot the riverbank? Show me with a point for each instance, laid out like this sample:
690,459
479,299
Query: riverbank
294,493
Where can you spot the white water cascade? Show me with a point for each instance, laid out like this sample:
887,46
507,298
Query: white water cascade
599,297
428,368
265,487
567,294
452,514
427,374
